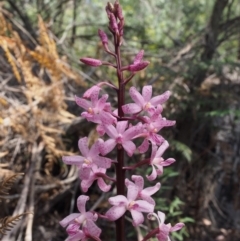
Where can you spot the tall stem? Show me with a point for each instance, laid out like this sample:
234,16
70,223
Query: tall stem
120,172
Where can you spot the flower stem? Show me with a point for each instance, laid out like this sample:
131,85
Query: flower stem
120,173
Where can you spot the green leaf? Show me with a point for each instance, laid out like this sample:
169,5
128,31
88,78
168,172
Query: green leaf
184,149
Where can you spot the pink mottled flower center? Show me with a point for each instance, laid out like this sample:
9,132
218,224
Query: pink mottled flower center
147,106
87,161
157,160
90,110
119,139
81,219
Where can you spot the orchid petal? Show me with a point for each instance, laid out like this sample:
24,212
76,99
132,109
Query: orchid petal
106,117
177,227
67,220
131,108
138,217
147,198
102,185
115,212
132,132
168,162
136,96
159,170
138,181
85,184
144,206
92,228
129,147
132,192
118,200
85,104
73,160
102,101
84,173
153,175
81,203
77,237
144,146
90,91
111,131
103,162
160,99
100,130
94,97
83,146
161,216
151,190
94,150
147,93
154,151
121,126
107,146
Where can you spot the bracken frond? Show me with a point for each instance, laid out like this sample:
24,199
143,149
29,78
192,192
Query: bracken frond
7,223
7,182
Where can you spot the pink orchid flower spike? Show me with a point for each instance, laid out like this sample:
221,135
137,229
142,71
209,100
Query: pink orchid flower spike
157,162
98,110
144,102
145,193
136,207
84,219
118,135
88,159
164,229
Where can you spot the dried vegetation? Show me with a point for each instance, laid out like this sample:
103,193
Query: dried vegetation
33,117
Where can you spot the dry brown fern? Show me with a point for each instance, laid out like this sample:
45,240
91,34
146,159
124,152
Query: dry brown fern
7,182
7,223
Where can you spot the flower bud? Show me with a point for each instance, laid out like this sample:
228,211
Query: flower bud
139,66
103,36
118,11
113,22
138,57
91,61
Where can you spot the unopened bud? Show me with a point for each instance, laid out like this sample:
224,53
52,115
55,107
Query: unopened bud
91,62
103,36
139,66
138,57
118,11
113,22
110,7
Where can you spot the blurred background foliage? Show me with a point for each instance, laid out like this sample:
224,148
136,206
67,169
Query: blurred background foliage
194,50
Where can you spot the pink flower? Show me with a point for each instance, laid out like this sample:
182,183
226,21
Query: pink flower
165,229
146,193
153,125
144,101
88,159
84,219
157,161
82,235
95,174
98,110
121,204
91,61
118,135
